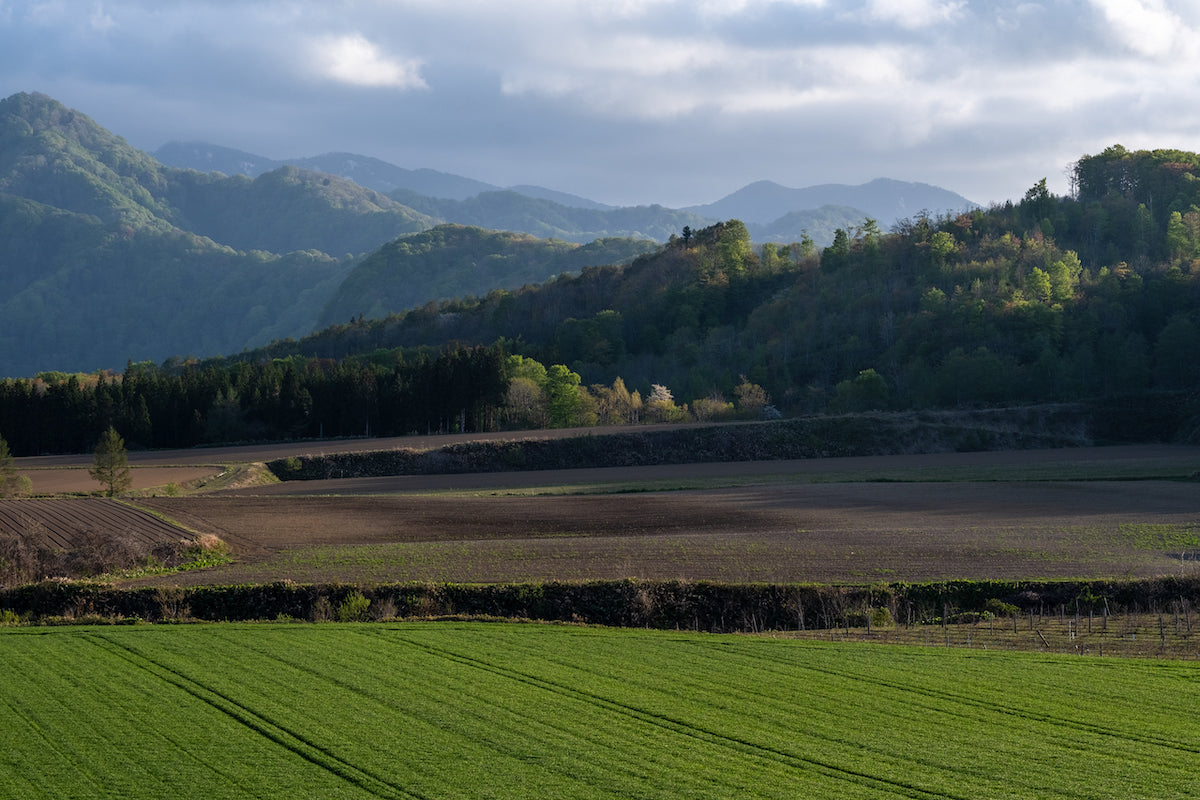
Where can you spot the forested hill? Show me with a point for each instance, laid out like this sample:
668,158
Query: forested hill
1050,299
1046,299
108,256
453,261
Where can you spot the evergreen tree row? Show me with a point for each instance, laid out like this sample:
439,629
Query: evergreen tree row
387,393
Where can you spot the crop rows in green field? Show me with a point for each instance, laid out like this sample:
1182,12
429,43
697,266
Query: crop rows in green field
462,710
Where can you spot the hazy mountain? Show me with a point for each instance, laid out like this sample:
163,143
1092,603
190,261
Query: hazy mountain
562,198
511,211
452,261
384,177
363,170
819,224
204,157
95,266
772,212
883,199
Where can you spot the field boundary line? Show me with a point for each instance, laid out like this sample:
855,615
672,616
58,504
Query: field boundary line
311,752
686,728
160,516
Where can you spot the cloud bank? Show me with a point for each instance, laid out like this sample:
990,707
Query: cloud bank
634,101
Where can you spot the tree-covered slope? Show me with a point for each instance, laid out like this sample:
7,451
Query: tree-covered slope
106,255
454,261
99,264
80,295
61,158
1048,299
290,209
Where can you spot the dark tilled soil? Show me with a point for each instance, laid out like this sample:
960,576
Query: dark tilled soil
808,532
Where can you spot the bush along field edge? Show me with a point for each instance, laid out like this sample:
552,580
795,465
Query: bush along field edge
684,605
867,434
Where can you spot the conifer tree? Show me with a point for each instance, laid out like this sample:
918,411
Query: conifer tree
111,465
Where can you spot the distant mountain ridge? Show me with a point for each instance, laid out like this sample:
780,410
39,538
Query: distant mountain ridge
771,211
883,199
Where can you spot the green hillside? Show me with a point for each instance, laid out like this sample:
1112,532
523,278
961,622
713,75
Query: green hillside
107,256
1047,299
290,209
455,261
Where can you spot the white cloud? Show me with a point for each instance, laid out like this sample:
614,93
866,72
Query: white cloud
915,14
1147,27
355,60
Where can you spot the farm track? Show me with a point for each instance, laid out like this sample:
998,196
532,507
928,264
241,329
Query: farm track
66,524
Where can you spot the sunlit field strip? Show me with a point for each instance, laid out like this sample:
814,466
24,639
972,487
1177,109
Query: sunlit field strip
498,710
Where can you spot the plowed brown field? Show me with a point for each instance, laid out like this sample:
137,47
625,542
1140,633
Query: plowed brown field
66,524
767,521
774,529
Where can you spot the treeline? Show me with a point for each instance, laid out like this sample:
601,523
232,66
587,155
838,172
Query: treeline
388,393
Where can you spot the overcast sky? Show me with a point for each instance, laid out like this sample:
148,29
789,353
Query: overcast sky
633,101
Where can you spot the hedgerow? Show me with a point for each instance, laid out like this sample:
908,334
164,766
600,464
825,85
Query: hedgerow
700,605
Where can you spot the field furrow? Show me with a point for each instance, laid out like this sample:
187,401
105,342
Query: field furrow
67,523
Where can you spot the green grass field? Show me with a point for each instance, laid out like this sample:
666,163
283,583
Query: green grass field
464,710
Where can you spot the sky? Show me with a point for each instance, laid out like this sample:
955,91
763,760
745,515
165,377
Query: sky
631,102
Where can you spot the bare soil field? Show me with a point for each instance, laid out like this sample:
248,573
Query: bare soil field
825,533
67,524
848,520
67,474
75,480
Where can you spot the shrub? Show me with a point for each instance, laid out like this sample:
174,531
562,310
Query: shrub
882,618
354,608
207,551
1000,608
172,603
